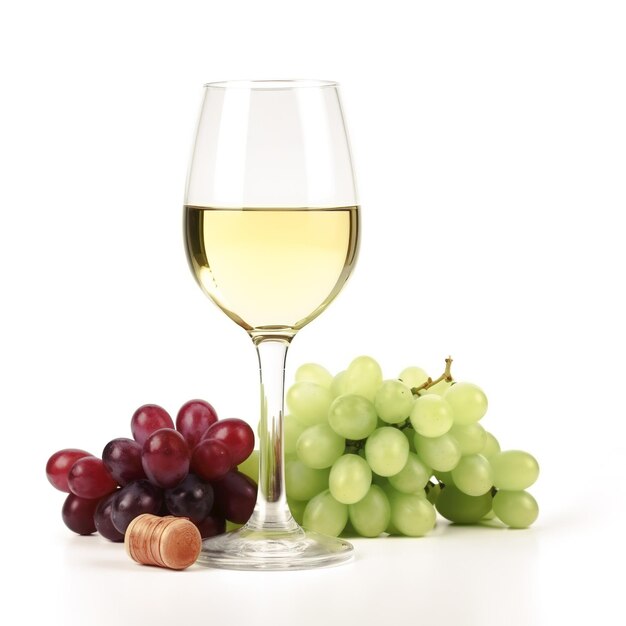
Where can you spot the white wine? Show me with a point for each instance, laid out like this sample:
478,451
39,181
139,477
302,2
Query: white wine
272,269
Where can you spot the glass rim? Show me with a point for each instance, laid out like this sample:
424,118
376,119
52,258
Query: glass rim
271,85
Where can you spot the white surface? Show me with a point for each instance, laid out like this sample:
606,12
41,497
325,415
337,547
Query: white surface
489,144
555,573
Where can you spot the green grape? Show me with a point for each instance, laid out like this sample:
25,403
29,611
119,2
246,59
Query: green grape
314,373
438,389
491,446
337,386
352,417
409,433
413,376
303,482
411,514
323,514
473,475
440,453
292,429
386,451
458,507
370,515
363,377
489,516
297,509
471,438
350,479
393,401
309,402
468,402
250,467
514,470
319,446
431,416
232,526
517,509
412,477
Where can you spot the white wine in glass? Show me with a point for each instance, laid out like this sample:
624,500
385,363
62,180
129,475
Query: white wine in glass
272,234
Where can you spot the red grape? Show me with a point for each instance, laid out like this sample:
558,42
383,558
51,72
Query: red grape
193,498
133,500
78,514
236,435
235,497
211,459
148,418
165,458
122,457
211,526
103,522
89,478
193,419
60,464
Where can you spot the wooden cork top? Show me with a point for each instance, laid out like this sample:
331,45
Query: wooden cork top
172,542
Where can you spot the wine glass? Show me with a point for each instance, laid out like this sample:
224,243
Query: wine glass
272,232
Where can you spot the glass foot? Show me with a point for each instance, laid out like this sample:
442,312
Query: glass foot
249,549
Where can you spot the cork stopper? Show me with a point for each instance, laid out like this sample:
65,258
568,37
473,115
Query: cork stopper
172,542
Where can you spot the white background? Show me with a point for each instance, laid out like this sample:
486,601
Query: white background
489,140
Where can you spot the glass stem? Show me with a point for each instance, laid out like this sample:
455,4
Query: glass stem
271,511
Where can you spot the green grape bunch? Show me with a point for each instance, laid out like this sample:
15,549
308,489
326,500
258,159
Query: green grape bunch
369,456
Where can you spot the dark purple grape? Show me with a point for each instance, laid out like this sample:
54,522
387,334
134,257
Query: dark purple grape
102,519
235,497
165,458
163,510
193,498
211,459
78,514
148,418
193,420
89,478
122,457
211,526
133,500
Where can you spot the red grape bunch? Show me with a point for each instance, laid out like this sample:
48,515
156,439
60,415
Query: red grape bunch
187,470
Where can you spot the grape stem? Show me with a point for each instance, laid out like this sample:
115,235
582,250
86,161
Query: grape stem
447,376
